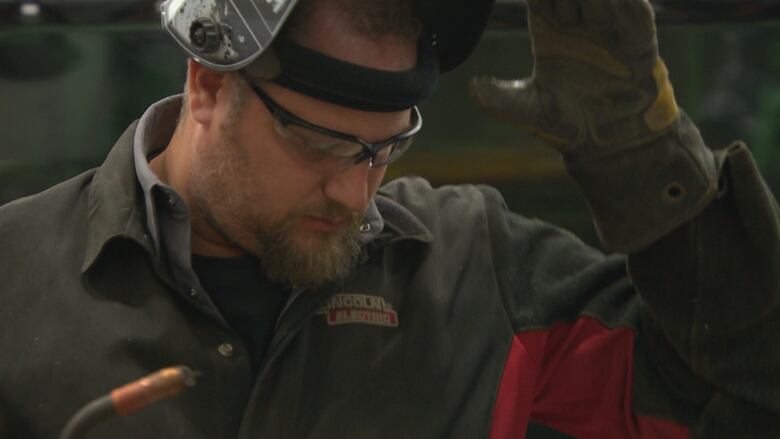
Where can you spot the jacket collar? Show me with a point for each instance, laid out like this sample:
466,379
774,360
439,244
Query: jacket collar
399,223
113,207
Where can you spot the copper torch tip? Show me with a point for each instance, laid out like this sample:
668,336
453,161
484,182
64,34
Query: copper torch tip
162,384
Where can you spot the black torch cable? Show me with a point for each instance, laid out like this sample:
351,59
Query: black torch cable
87,417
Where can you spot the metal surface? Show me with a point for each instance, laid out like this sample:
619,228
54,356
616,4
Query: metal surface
225,34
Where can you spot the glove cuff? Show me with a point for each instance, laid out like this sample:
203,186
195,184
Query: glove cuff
640,194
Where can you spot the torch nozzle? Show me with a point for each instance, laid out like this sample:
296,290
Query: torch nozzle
162,384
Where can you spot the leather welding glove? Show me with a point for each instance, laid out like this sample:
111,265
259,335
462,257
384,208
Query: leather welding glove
600,94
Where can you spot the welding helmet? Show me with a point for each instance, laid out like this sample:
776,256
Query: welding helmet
229,35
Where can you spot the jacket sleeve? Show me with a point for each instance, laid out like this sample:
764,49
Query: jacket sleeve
712,289
692,354
706,269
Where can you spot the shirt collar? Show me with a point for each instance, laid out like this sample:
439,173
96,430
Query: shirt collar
154,131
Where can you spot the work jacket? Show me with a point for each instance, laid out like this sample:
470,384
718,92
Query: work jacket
462,320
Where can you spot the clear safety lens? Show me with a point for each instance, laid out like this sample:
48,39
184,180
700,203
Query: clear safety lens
331,154
392,152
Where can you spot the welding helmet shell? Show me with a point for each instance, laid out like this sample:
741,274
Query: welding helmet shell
225,35
228,35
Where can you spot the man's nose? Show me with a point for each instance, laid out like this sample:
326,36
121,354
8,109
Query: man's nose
350,187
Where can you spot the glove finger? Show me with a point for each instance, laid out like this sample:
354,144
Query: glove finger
513,101
549,43
636,28
517,102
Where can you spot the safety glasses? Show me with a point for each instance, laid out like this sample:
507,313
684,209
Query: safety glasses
333,151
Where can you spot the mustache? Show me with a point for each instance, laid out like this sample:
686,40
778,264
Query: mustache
331,211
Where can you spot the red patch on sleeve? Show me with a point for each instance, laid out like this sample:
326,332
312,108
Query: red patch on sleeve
576,378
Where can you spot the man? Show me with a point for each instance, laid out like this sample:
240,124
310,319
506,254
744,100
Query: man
251,241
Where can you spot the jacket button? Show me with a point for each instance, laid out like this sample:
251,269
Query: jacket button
365,228
225,349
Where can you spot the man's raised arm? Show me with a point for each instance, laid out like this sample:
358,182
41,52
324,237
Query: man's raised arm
700,227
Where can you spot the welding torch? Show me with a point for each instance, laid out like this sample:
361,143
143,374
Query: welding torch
130,398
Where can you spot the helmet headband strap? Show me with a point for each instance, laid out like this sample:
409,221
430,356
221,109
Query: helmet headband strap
340,82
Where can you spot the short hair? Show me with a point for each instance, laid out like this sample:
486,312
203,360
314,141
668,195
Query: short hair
373,18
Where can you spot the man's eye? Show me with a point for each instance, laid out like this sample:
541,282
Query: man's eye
311,138
345,149
322,142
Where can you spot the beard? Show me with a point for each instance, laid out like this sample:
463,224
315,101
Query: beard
288,253
310,259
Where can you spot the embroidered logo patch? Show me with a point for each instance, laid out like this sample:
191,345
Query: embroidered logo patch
359,308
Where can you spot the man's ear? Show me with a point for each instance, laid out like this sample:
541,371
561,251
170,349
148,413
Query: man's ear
203,86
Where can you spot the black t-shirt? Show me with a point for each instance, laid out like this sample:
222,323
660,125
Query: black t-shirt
248,301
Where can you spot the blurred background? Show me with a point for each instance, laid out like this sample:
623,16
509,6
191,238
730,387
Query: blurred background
75,73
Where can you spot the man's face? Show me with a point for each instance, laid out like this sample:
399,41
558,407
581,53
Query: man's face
249,187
